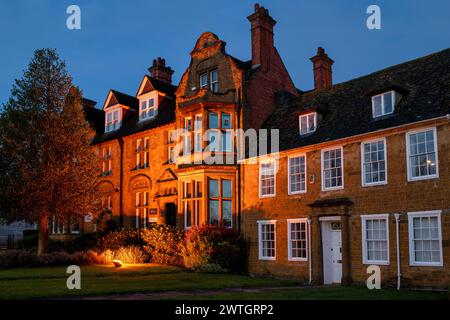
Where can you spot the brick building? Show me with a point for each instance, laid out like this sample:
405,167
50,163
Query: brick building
361,176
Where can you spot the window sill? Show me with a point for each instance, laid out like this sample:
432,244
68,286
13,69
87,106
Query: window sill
267,196
298,259
424,264
377,263
298,193
267,258
332,189
375,184
411,179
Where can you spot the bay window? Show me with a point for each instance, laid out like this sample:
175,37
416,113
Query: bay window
192,202
220,202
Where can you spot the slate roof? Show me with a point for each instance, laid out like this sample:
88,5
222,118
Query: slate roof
95,117
162,86
346,108
126,99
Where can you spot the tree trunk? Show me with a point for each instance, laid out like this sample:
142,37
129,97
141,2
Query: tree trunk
43,235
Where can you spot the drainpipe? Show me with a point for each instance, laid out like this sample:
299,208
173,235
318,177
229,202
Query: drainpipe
309,251
397,220
121,189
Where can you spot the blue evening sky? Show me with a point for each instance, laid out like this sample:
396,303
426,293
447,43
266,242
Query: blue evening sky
119,39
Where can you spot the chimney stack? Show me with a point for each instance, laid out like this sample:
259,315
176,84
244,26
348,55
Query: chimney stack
322,70
159,71
262,37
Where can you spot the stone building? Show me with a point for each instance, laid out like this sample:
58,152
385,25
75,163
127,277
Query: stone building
361,176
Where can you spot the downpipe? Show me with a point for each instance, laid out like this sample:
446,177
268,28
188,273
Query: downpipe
397,233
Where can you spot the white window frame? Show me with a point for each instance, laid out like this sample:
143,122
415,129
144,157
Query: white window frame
198,132
364,219
408,163
147,98
411,216
382,95
306,115
273,161
211,82
203,85
363,173
292,221
290,192
323,167
260,248
115,124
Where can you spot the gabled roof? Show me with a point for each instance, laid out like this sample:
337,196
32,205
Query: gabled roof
94,116
115,97
346,108
149,83
132,125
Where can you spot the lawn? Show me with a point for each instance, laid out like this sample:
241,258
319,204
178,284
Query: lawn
38,283
100,280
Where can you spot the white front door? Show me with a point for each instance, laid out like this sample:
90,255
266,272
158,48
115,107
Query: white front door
332,252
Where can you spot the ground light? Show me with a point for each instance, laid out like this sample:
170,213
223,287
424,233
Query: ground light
117,263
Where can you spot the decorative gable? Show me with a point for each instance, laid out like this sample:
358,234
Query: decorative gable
167,175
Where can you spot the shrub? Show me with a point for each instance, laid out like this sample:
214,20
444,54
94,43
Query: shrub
214,245
130,254
18,259
82,242
23,259
162,244
122,238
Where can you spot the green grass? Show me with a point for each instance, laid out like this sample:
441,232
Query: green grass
328,293
38,283
35,283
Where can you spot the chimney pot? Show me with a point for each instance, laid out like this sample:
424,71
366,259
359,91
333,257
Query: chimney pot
322,67
159,70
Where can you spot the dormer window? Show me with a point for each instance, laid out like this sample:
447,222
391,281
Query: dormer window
147,109
112,120
308,123
383,104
